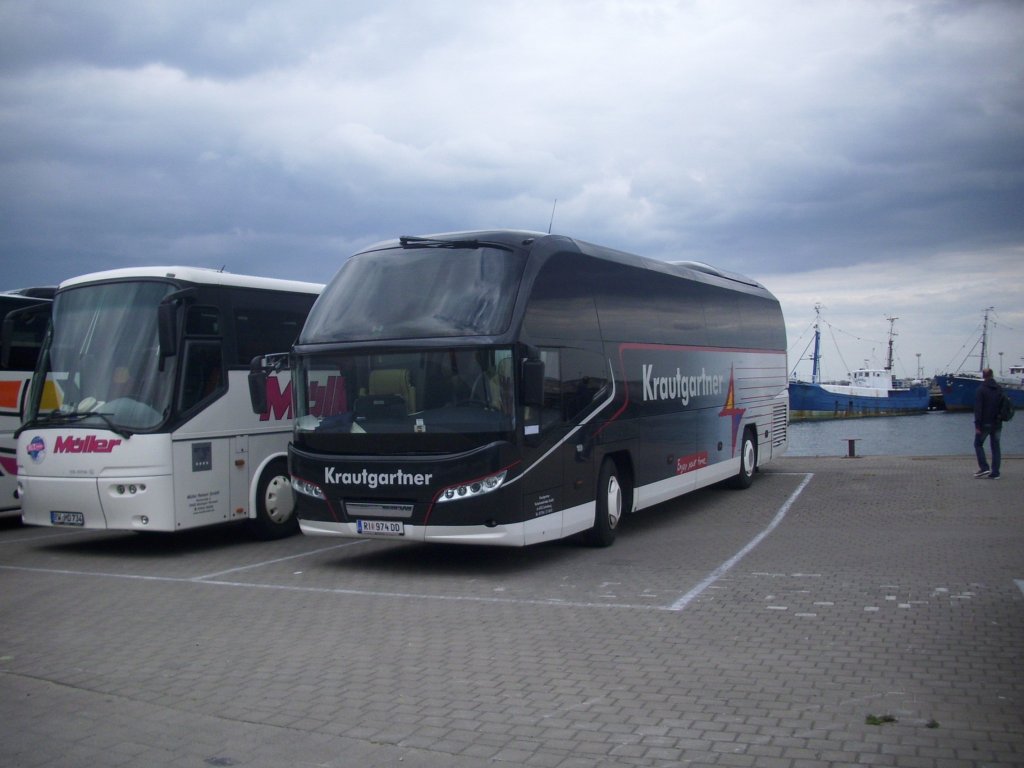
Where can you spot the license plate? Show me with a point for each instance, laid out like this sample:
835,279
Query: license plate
380,527
67,518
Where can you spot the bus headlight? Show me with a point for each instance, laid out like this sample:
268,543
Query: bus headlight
473,488
307,488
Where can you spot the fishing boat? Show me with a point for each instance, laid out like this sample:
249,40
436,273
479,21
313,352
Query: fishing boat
868,392
958,389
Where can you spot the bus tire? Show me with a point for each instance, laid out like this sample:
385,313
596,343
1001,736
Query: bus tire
275,503
609,504
748,461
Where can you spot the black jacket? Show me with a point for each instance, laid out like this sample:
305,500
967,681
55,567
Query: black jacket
986,403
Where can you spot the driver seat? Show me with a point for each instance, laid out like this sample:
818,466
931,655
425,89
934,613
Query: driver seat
393,381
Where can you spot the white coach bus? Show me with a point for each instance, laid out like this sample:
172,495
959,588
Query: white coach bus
24,314
139,415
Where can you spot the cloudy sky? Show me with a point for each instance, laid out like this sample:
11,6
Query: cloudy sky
868,156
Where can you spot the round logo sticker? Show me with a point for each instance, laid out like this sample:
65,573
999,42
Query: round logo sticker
37,449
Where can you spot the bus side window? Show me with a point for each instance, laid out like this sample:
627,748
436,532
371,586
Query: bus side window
261,330
202,321
203,375
574,381
584,375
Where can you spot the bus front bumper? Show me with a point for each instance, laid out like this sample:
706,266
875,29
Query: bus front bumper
511,535
108,503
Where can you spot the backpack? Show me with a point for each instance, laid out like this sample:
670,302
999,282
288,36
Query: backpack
1005,408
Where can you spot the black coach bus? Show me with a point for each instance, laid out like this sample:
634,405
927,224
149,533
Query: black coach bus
509,388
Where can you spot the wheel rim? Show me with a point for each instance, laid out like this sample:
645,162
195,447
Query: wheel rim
278,500
614,501
748,457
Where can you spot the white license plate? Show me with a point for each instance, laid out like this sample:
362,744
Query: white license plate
67,518
380,527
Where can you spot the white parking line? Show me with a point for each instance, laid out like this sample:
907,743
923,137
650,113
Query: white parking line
725,567
208,578
555,602
276,560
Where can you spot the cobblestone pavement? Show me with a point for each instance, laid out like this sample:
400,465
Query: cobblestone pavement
841,612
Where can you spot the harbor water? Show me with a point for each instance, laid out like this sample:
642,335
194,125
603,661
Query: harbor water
935,433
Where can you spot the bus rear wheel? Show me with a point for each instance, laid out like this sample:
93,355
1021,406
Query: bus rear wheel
609,506
275,503
748,461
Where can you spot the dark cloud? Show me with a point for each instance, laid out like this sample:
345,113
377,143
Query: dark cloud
777,139
228,38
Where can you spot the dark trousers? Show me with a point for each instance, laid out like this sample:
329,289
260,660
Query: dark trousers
991,431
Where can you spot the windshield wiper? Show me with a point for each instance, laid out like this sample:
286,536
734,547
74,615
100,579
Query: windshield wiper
411,241
43,418
70,417
117,430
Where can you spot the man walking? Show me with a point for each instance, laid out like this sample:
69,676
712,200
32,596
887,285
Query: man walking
987,423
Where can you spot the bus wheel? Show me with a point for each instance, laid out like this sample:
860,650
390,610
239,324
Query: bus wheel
275,503
609,503
748,461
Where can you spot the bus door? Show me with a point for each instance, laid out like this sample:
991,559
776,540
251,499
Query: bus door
542,489
584,384
575,381
204,462
201,481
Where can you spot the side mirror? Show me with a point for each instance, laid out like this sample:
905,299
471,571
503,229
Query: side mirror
533,382
258,386
167,321
166,327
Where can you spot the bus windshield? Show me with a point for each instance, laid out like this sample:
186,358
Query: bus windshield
417,293
102,362
419,395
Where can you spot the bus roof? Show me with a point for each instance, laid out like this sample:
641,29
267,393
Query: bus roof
690,269
34,292
199,275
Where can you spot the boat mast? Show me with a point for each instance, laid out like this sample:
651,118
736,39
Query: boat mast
892,335
815,373
984,341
